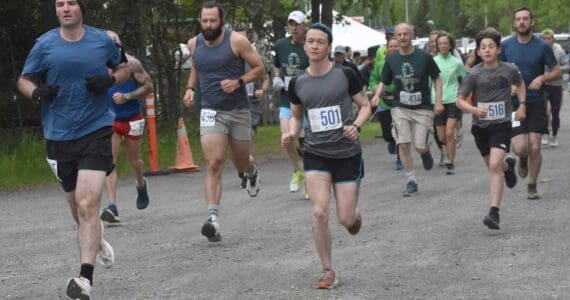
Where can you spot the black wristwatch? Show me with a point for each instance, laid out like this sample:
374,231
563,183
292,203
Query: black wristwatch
241,82
357,127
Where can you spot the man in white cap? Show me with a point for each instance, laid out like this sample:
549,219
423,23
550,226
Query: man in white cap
290,60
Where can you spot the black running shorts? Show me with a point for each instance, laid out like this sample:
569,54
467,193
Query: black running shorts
498,136
536,119
341,169
450,111
90,152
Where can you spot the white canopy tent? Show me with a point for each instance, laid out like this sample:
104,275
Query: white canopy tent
356,35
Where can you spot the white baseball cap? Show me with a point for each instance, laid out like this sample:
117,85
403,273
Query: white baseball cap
297,16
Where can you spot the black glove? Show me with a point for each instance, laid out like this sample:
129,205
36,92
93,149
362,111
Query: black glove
100,84
45,93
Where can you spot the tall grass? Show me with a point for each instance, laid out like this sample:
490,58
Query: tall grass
23,159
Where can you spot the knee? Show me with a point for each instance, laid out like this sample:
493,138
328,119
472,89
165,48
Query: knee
534,148
495,167
215,165
450,135
320,215
87,208
345,219
135,162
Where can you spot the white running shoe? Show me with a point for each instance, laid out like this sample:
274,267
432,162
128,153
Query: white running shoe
105,255
545,138
553,142
79,288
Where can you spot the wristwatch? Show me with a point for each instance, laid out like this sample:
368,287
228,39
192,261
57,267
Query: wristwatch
241,82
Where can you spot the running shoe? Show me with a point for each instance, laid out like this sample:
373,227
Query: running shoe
106,255
79,288
327,280
492,221
532,192
427,160
553,142
110,214
355,227
450,169
411,189
253,184
392,148
544,141
510,176
243,183
142,197
522,167
210,230
399,166
296,180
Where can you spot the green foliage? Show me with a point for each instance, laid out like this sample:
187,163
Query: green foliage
23,163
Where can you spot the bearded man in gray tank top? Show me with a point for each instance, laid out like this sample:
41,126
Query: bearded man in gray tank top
218,57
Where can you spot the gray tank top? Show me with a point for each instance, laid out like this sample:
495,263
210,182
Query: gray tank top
215,64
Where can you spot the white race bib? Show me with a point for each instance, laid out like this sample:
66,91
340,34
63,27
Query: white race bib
287,80
516,123
207,118
407,98
495,110
53,166
325,118
250,89
137,127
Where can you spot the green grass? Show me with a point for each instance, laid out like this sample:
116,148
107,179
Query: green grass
23,159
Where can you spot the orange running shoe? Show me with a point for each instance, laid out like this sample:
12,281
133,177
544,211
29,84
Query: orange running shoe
327,280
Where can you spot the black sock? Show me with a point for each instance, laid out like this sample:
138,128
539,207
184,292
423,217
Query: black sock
87,272
494,210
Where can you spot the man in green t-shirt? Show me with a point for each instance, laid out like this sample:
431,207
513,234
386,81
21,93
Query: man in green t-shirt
410,70
290,60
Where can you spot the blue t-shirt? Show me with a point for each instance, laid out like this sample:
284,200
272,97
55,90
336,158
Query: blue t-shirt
131,107
530,58
75,111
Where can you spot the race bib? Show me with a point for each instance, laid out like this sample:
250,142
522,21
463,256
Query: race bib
137,127
407,98
250,89
325,118
495,110
287,80
53,166
207,118
516,123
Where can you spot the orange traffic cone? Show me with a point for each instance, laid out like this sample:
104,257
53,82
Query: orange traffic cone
184,161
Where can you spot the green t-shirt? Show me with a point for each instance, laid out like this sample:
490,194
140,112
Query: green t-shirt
410,75
451,69
292,61
375,78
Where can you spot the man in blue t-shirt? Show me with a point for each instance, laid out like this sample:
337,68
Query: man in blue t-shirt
67,72
530,54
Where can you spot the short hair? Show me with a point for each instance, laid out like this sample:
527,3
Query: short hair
410,27
324,28
221,12
449,37
435,32
523,8
548,31
488,33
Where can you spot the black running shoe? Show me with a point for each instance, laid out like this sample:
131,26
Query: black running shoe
492,221
253,184
427,160
243,183
210,230
532,193
450,169
510,176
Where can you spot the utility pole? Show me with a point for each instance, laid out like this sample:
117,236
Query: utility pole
407,19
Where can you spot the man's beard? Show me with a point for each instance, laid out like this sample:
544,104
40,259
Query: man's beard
528,31
212,34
